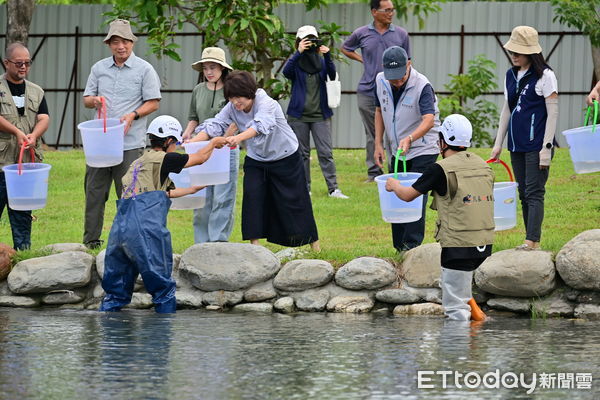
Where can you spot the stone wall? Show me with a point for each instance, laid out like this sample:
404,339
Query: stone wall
243,277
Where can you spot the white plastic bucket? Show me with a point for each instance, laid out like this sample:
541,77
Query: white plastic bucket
584,147
102,149
505,205
28,191
214,171
190,201
393,209
505,201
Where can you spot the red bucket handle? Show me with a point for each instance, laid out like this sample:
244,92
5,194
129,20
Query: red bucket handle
102,111
510,175
20,162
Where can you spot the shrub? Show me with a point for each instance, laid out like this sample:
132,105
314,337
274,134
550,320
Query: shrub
465,89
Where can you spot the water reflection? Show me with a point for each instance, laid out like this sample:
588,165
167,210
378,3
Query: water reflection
207,355
134,345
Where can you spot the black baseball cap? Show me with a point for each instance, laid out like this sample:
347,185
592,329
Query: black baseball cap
394,63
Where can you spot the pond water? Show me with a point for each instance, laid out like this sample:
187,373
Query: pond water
64,354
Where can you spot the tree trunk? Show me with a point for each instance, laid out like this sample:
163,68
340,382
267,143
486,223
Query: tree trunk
596,61
18,16
264,70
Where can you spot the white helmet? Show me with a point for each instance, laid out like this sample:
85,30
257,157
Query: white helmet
164,126
457,130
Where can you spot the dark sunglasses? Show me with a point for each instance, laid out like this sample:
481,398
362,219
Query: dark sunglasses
20,64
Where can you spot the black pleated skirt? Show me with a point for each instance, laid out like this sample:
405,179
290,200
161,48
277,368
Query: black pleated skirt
276,203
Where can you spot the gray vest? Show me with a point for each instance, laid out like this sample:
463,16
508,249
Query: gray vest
9,149
401,120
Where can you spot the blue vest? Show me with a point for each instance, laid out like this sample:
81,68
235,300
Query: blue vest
527,113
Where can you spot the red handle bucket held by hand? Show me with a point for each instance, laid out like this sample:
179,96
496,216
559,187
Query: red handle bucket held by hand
510,175
102,112
20,162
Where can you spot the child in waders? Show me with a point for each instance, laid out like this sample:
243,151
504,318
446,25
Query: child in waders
462,185
139,241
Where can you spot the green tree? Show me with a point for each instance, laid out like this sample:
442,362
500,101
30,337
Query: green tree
417,8
254,35
585,16
466,98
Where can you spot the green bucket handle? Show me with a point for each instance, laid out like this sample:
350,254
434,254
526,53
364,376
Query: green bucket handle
396,163
587,115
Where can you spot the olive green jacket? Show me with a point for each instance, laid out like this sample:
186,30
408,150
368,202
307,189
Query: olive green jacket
466,212
148,175
9,148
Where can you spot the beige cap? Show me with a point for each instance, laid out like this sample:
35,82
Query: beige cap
212,54
122,28
305,31
523,40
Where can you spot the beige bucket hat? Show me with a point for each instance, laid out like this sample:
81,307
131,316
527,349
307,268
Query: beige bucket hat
523,40
212,54
122,28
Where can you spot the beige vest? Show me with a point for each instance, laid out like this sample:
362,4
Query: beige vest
148,176
9,149
466,212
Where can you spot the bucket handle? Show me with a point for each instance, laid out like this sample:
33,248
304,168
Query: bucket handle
102,111
587,115
510,175
20,162
396,163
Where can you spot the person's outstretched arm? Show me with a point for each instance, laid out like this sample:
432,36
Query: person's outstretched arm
204,153
406,193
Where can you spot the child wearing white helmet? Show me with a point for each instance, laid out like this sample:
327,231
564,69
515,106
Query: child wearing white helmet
462,185
139,241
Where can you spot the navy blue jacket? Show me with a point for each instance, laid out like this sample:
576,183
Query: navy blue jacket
293,72
527,113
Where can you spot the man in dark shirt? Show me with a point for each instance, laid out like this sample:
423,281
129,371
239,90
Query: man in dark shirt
23,120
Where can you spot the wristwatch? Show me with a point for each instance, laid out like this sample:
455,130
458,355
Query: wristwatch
137,115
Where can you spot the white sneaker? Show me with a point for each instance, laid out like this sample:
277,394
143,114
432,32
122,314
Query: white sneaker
337,193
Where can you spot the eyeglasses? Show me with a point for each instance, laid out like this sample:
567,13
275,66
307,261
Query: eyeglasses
513,54
20,64
386,10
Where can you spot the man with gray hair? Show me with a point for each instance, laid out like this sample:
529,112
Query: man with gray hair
23,120
130,88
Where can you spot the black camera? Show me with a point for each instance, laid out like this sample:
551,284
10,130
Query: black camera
315,42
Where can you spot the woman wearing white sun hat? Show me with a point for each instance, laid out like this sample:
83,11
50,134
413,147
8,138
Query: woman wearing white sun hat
213,222
529,118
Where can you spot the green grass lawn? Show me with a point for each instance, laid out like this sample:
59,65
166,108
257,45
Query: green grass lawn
347,228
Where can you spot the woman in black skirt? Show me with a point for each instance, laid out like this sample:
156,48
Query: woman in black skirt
276,203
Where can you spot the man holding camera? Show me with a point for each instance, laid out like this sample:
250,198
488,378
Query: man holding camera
372,40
